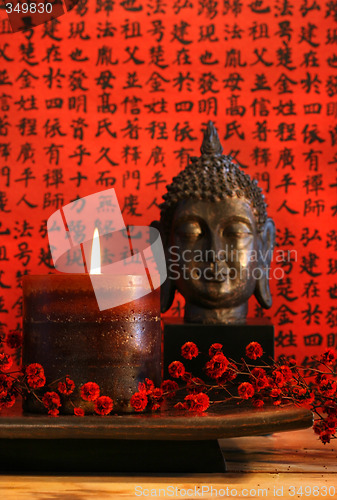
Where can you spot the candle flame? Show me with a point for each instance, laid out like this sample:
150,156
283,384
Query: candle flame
95,264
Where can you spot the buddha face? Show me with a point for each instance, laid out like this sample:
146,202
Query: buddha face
213,251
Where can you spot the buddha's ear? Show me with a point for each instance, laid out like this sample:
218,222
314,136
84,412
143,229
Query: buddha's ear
262,290
167,289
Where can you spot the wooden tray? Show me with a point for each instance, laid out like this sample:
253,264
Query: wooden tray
221,421
168,441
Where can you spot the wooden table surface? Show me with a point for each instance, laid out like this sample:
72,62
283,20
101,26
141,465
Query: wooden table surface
282,465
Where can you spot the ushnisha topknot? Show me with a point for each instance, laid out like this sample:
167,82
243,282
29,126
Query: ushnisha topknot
212,176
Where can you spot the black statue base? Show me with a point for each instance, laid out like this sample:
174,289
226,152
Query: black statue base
234,339
70,456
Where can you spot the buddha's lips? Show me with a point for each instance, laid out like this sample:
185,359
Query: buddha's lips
220,277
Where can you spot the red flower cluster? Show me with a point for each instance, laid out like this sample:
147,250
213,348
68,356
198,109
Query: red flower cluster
326,385
67,387
152,397
52,402
286,372
246,390
5,385
189,350
139,401
103,405
90,391
5,361
79,412
35,376
214,349
326,428
258,378
197,402
328,357
277,383
176,369
229,375
258,402
146,386
217,366
278,378
7,394
169,388
254,350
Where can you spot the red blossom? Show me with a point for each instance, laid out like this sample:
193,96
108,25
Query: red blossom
103,405
254,350
14,339
176,369
246,390
259,378
79,412
331,424
53,413
229,375
7,401
214,349
5,385
169,388
286,372
67,387
328,357
35,375
90,391
258,372
216,366
258,402
299,392
260,383
189,350
278,378
325,437
292,361
330,408
157,393
147,386
309,398
275,392
327,386
328,425
302,395
197,402
139,401
52,402
319,426
155,406
5,361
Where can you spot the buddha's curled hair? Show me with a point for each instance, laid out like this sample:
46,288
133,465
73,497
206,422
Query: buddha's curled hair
212,176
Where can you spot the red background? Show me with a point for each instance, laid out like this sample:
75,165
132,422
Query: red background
271,90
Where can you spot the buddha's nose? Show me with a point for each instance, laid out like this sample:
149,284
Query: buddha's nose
217,249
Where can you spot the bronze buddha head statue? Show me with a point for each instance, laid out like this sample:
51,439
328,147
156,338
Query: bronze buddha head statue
217,238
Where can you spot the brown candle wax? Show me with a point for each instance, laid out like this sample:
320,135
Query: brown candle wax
64,331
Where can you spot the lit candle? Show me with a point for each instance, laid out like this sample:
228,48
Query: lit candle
66,332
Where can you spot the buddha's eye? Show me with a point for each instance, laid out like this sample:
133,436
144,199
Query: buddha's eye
189,229
237,230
